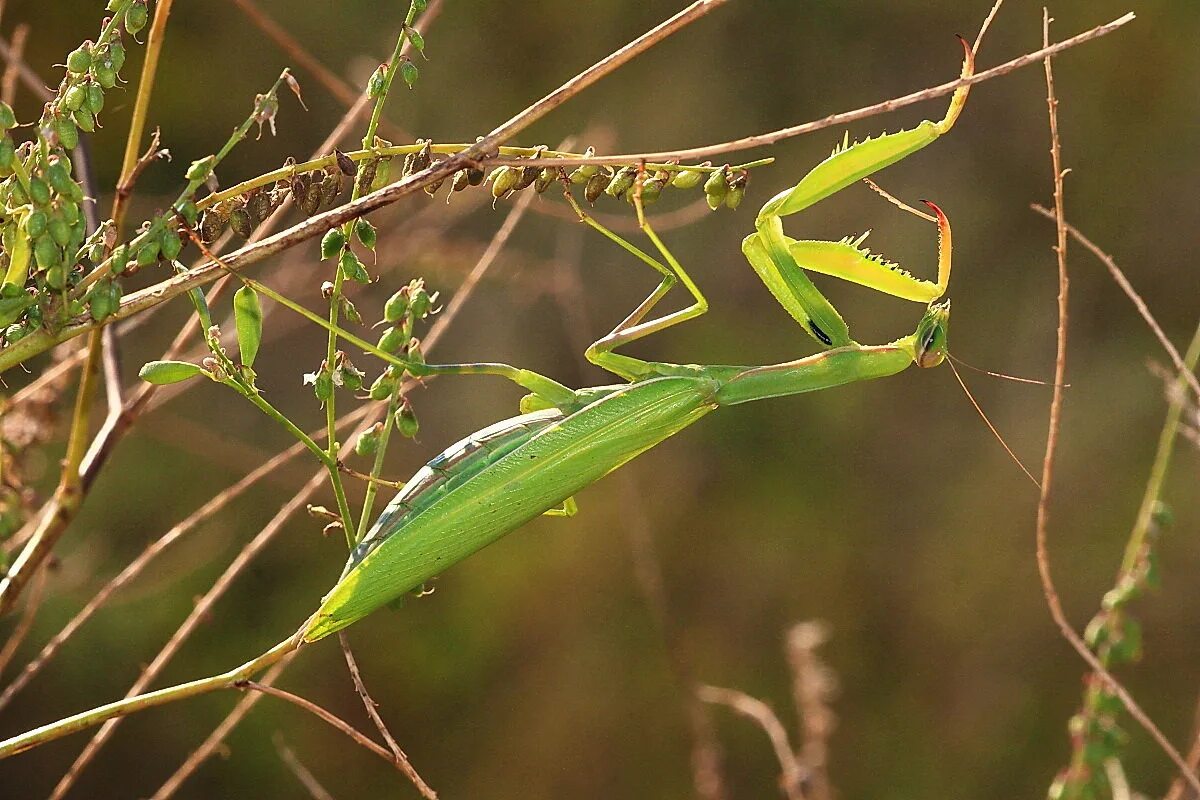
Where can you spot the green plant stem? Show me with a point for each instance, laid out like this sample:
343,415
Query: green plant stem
121,708
364,518
335,299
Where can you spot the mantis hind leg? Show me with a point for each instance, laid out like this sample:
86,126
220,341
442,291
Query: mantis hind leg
635,326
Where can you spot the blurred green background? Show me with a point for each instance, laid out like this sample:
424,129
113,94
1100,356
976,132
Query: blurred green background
536,669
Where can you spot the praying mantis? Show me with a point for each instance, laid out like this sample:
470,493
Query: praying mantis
503,476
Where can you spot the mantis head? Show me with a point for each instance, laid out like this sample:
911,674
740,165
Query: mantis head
930,338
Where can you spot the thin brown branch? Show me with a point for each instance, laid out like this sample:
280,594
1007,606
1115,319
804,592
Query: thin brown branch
793,774
29,77
1179,785
813,686
302,773
32,603
1118,275
8,84
355,735
398,755
1053,602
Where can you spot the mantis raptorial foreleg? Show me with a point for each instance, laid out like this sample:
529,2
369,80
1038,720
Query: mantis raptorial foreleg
781,261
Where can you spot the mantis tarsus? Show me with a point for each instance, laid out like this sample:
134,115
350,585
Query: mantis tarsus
501,477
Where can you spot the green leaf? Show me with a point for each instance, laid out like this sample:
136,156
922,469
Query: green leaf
247,313
164,372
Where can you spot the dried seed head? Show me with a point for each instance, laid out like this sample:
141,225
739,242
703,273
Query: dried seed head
595,186
212,225
545,179
461,181
345,163
239,220
331,187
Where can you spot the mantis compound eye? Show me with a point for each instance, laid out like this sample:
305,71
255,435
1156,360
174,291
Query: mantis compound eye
931,335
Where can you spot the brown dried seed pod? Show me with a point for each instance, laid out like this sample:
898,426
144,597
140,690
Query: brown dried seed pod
422,158
331,187
239,220
596,185
544,179
345,163
310,201
258,204
475,176
212,225
366,175
461,181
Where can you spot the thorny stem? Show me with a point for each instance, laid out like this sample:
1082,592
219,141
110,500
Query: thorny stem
1053,602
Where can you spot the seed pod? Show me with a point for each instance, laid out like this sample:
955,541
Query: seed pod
420,5
475,176
396,306
621,182
85,120
136,17
364,231
717,187
56,278
8,119
116,52
331,187
120,258
595,187
323,385
332,243
409,72
366,175
248,316
406,421
95,98
367,443
75,97
46,253
212,225
377,83
105,75
687,179
8,153
68,134
383,387
345,163
258,205
418,41
392,340
169,243
525,177
503,180
39,191
35,223
59,230
461,181
651,191
199,170
239,220
419,300
164,372
101,300
352,268
422,159
545,179
79,59
148,253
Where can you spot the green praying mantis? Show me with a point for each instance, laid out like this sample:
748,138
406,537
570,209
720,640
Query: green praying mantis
501,477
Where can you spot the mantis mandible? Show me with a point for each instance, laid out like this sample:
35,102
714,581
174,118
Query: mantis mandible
497,479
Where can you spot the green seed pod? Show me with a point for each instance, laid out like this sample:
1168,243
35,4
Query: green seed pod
120,259
348,376
59,176
582,174
651,191
16,194
136,17
164,372
116,52
383,387
248,316
8,153
35,223
687,179
148,253
46,253
737,190
545,179
367,443
420,301
406,421
95,98
332,243
105,75
68,134
352,268
56,278
418,41
239,220
39,191
595,187
85,120
503,180
365,232
377,82
8,119
409,72
392,340
101,301
75,97
169,243
396,306
59,230
323,386
621,182
716,187
420,5
80,59
69,211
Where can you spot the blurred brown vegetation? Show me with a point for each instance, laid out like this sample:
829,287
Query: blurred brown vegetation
535,669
